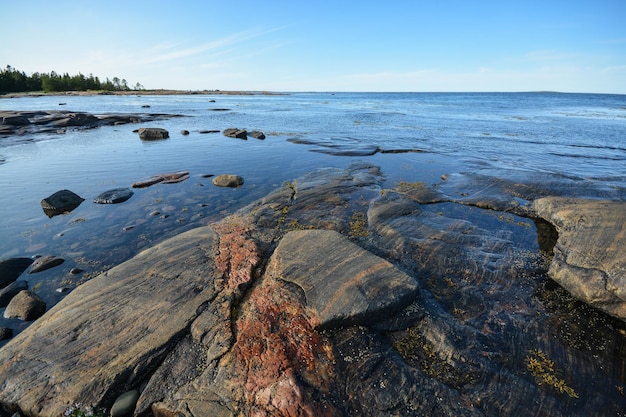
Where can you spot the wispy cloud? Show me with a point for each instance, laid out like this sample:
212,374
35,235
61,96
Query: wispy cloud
172,52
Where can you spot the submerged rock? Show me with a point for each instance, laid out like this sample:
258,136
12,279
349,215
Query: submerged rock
167,178
115,196
228,180
61,202
590,253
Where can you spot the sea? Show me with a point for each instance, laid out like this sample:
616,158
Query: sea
577,137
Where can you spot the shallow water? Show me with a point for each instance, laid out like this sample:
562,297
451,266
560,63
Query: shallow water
574,136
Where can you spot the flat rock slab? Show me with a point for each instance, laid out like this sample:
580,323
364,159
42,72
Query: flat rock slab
167,178
115,196
590,253
343,283
45,262
111,330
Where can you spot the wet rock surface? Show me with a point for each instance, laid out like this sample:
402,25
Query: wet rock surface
61,202
436,301
115,196
26,306
19,123
166,178
152,133
45,262
590,253
236,133
228,180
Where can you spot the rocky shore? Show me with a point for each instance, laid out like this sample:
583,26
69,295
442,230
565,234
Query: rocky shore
20,123
334,296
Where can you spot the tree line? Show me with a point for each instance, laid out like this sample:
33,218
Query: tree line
15,81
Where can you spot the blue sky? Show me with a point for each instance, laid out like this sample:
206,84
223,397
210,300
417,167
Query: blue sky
438,45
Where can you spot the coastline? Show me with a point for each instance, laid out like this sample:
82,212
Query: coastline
157,92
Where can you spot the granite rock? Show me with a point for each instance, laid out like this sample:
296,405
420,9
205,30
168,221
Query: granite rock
25,306
590,252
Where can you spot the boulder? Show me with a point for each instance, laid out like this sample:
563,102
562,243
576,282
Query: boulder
235,133
45,262
11,269
6,333
228,180
342,283
61,202
26,306
125,404
10,291
590,252
152,133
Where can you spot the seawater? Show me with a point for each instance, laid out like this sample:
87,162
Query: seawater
581,137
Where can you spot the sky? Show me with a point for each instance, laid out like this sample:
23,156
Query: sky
319,45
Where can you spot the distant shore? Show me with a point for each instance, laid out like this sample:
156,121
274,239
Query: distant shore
159,92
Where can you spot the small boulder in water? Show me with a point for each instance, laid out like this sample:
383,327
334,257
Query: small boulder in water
11,290
26,306
45,262
257,134
153,133
61,202
228,180
233,132
117,195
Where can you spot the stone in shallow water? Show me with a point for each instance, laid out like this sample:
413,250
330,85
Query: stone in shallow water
26,306
228,180
45,262
233,132
62,201
115,196
153,133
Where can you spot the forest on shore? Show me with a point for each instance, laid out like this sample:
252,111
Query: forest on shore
14,81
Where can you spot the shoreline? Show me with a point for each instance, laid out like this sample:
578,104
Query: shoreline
157,92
